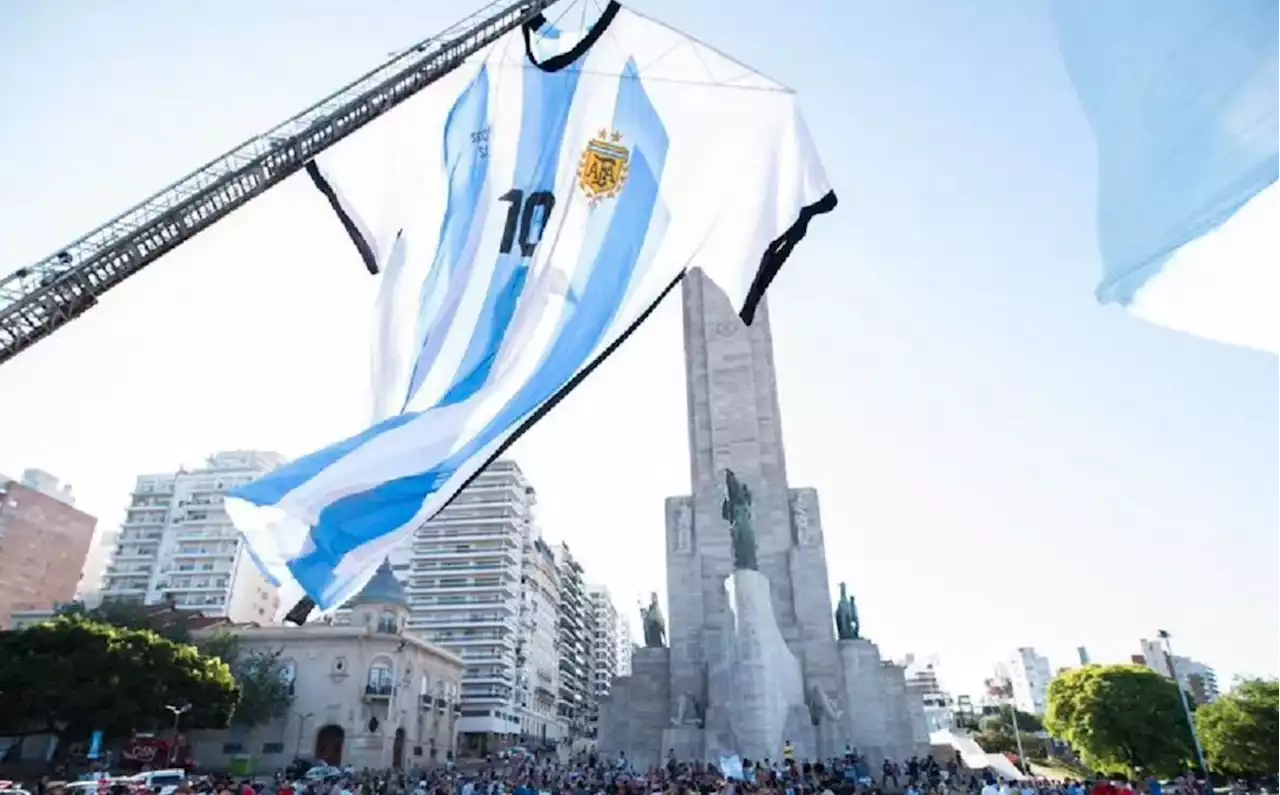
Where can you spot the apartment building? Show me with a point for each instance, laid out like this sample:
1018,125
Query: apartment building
604,629
574,704
462,574
44,539
178,545
1029,676
1199,680
538,649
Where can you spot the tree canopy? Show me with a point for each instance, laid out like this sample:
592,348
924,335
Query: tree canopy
168,624
73,676
266,687
1003,721
1240,731
1121,719
996,735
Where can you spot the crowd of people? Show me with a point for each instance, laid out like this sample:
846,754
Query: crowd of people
589,774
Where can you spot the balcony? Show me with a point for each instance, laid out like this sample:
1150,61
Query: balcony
378,691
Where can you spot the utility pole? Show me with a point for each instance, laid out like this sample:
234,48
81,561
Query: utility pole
1186,707
177,715
1017,736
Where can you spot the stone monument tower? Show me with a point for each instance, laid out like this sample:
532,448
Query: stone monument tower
753,660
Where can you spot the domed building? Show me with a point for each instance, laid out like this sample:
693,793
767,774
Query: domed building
366,692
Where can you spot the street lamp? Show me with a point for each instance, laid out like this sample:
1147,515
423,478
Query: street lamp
1186,707
177,715
303,717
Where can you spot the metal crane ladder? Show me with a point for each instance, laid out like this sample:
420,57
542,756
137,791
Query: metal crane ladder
38,300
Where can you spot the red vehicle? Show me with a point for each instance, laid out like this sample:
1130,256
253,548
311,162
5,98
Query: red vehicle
146,751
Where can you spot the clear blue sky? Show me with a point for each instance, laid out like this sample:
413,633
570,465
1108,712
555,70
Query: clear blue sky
1001,462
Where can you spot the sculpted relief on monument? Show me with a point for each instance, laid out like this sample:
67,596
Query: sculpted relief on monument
682,528
804,531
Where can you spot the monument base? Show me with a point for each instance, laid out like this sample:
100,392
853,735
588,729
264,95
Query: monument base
636,712
766,675
881,720
686,742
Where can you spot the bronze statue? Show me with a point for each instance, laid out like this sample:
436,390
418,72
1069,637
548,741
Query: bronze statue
847,627
655,628
736,510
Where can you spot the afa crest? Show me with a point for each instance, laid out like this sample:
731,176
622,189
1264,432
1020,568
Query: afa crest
603,169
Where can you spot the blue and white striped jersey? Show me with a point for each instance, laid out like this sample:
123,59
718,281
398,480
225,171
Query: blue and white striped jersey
525,218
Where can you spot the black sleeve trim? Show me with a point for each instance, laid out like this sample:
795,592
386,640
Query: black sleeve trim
302,609
348,223
778,251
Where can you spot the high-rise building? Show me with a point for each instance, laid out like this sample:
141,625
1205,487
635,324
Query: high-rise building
43,543
1029,675
178,545
1083,654
575,651
462,573
538,649
603,653
1199,680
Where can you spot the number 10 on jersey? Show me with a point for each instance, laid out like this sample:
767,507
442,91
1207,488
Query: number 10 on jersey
527,219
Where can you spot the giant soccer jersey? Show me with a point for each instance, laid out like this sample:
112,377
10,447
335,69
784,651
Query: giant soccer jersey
524,218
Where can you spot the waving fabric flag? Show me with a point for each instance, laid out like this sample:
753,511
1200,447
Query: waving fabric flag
525,220
1182,99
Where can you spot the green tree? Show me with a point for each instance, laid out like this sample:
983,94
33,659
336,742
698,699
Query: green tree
1240,731
1002,721
266,688
71,676
996,734
1121,719
168,624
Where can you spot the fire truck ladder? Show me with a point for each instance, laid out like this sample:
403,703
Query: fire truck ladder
38,300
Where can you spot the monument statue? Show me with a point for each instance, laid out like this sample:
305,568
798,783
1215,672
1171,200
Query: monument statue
688,711
655,628
847,627
736,510
752,663
822,708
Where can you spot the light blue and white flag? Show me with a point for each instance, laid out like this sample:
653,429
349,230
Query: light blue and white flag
526,216
1182,99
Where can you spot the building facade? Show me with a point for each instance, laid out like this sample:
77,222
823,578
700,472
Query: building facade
1029,676
177,543
574,701
1199,680
538,649
462,575
605,626
939,706
367,694
44,540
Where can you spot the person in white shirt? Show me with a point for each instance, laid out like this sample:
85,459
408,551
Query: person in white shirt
990,788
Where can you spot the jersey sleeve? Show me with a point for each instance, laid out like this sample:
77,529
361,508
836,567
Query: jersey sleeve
771,185
387,187
380,177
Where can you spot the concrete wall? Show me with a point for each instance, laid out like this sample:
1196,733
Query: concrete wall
634,715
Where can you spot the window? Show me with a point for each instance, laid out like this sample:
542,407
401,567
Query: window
380,679
387,623
273,748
